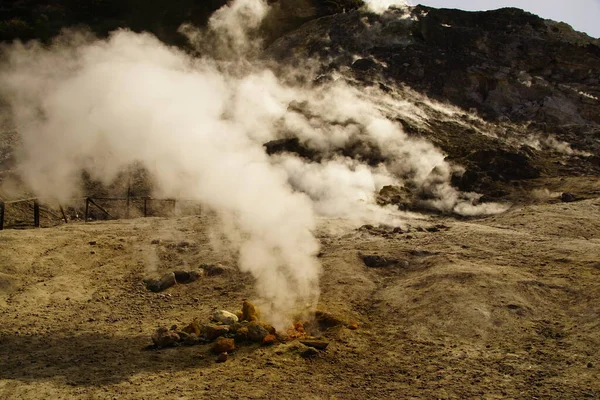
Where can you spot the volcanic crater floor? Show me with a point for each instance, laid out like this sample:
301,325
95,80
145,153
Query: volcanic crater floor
498,307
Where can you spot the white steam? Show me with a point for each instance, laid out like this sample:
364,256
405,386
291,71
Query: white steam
380,6
199,124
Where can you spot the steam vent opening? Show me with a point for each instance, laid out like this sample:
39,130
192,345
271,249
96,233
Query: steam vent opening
297,199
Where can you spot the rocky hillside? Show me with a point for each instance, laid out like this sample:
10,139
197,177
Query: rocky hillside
527,88
509,96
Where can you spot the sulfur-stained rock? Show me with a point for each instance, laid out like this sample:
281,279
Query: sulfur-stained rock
225,317
223,345
256,332
249,312
162,337
211,331
194,328
299,326
269,340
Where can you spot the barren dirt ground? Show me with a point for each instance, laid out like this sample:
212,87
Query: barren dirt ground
500,307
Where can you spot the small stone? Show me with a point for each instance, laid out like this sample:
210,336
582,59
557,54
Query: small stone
269,340
310,352
241,335
211,331
317,344
256,332
161,284
213,269
225,317
223,345
162,337
186,277
191,339
327,320
567,197
221,358
249,312
269,328
93,243
353,326
376,261
590,365
155,241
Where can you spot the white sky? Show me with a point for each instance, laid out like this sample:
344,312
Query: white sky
582,15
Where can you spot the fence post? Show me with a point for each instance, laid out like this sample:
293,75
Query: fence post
127,207
1,215
87,207
36,213
62,210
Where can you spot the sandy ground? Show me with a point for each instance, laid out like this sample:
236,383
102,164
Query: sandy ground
500,307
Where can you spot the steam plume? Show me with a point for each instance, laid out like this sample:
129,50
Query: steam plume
199,125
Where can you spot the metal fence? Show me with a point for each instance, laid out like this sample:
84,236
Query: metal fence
144,209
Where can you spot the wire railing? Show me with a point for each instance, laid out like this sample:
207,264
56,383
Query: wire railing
90,203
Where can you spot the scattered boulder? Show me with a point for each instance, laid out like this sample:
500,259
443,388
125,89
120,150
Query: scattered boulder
223,345
163,337
187,277
376,261
400,196
225,317
213,269
158,285
568,197
171,279
291,145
